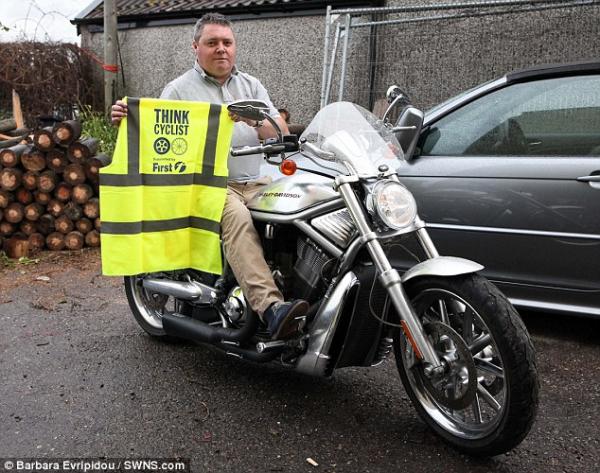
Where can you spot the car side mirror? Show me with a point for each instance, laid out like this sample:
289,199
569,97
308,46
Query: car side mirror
250,109
408,130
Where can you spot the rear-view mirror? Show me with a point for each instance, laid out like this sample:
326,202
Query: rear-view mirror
408,129
250,109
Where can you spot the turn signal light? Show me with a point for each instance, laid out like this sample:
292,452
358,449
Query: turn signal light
288,167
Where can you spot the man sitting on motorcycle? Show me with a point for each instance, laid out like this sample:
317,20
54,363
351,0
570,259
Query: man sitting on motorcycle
214,78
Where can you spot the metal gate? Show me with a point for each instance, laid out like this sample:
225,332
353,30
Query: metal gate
436,50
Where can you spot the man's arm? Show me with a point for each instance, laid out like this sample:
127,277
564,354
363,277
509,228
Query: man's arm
267,130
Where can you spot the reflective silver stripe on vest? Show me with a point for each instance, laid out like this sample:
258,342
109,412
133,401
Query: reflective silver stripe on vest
121,180
210,146
133,136
146,226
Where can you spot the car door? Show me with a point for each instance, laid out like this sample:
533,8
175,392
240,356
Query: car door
512,180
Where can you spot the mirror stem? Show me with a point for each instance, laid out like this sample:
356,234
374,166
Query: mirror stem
275,125
392,105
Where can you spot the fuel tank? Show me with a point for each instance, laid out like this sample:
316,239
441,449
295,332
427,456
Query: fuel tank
289,195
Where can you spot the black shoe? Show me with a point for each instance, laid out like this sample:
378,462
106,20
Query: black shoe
283,318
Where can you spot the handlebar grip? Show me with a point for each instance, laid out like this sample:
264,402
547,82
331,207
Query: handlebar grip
246,150
267,149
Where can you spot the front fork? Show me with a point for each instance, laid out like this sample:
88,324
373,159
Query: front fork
391,280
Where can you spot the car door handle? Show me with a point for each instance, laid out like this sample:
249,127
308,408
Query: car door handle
591,178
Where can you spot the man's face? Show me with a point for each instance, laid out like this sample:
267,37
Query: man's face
215,51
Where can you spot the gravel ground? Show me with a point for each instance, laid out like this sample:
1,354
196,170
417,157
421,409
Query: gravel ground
79,378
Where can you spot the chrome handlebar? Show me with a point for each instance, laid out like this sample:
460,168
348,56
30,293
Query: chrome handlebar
264,149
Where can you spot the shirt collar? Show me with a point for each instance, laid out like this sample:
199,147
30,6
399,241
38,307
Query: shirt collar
205,76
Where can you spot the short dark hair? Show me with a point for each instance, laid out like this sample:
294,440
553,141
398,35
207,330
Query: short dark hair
210,19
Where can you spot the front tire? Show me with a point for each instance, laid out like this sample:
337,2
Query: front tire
486,402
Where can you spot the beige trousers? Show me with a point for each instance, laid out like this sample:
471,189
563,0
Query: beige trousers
243,248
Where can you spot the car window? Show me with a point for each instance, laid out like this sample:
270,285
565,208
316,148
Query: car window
552,117
437,107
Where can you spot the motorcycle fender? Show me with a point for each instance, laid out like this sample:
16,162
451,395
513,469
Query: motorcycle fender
442,266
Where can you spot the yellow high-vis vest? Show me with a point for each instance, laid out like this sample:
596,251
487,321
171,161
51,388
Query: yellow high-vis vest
162,196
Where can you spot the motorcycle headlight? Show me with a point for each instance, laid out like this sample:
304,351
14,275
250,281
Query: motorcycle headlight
394,204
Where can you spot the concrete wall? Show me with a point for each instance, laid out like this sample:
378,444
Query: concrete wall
432,60
286,54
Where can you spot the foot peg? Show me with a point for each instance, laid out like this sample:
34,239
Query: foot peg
262,347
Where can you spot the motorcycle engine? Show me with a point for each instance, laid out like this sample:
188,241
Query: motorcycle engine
309,270
235,305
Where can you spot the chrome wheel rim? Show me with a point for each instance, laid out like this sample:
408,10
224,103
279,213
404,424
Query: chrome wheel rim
484,413
151,305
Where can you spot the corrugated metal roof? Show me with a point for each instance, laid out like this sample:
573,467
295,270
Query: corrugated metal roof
132,8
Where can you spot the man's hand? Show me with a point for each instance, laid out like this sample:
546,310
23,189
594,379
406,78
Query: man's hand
117,112
266,130
236,118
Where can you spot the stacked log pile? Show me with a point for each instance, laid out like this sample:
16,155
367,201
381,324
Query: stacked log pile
49,191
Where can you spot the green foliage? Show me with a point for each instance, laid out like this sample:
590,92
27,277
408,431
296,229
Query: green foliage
96,125
6,262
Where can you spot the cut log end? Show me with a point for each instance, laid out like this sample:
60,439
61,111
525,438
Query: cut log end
84,225
74,174
7,228
27,227
55,241
82,193
42,139
74,240
56,160
14,213
33,160
11,157
47,181
24,196
33,212
45,224
63,224
37,241
67,132
63,192
55,208
17,247
10,178
92,238
5,198
91,209
30,180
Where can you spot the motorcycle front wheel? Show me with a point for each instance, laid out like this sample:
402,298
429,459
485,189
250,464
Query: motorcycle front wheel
486,401
148,307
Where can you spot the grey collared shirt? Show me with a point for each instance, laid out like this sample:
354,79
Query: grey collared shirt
196,85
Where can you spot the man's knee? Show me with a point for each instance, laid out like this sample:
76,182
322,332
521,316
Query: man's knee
236,216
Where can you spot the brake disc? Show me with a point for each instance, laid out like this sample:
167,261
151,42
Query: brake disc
457,387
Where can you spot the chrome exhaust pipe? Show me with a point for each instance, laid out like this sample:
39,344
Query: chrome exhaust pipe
188,291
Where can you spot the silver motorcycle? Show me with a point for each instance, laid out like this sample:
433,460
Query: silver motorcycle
328,228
